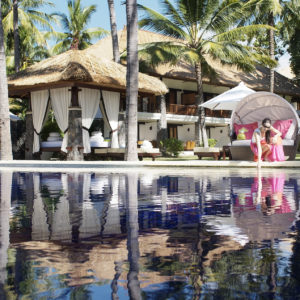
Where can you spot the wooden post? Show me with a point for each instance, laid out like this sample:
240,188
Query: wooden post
29,132
75,143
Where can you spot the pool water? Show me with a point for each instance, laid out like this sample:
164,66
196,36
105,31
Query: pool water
150,234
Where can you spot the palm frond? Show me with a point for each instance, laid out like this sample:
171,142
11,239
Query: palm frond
241,33
160,24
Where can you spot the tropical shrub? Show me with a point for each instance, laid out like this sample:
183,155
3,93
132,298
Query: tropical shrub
171,147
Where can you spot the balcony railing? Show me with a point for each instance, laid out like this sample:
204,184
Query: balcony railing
187,110
217,113
177,109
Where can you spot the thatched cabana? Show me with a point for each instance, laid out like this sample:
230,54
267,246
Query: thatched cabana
75,83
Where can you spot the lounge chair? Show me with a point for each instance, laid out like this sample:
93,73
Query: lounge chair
118,153
220,150
207,152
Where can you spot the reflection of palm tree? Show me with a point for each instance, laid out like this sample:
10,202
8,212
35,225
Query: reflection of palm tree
132,236
197,258
75,191
5,199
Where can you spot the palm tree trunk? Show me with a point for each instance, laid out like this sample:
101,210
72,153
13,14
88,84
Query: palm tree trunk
200,130
5,137
272,55
131,80
114,32
162,123
16,35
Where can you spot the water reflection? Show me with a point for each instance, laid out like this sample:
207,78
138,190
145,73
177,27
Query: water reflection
150,235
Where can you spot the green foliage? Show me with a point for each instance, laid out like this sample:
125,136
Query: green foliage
33,45
171,147
202,30
76,35
50,126
212,142
290,31
294,50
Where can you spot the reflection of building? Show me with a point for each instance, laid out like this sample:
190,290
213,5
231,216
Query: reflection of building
80,221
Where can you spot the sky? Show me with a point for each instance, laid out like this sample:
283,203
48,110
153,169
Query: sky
101,17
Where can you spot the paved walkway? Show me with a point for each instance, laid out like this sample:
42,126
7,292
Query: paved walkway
89,165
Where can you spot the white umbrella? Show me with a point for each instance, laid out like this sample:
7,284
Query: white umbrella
229,99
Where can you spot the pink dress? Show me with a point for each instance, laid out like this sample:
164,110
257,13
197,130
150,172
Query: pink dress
276,154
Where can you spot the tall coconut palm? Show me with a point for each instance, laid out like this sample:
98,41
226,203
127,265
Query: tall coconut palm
114,32
131,80
291,34
26,13
201,31
267,11
5,139
76,35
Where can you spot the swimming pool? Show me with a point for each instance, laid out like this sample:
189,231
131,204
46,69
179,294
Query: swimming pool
150,234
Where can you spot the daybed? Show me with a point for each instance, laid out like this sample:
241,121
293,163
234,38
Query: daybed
248,115
54,142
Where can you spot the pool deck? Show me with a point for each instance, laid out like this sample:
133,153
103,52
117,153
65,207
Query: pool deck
89,165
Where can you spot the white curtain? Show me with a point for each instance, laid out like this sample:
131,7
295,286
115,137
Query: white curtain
39,101
60,101
89,102
112,104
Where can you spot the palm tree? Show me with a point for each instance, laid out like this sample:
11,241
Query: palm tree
131,81
267,11
200,31
25,13
114,32
291,34
5,139
76,35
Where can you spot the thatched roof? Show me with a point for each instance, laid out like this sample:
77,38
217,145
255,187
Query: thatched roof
79,67
226,75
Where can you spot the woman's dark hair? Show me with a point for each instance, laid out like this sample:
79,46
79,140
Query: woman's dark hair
268,132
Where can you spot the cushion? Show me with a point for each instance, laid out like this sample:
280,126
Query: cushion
245,131
241,143
286,142
206,149
283,126
51,144
290,133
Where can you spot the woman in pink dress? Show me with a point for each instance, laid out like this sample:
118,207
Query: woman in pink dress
264,146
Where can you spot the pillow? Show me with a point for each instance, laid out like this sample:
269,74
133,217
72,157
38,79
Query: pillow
290,133
283,126
245,130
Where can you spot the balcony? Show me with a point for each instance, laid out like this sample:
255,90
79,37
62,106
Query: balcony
187,110
217,113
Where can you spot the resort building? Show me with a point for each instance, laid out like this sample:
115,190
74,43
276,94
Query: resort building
181,81
86,91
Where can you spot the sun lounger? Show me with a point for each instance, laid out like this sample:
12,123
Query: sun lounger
207,152
118,153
